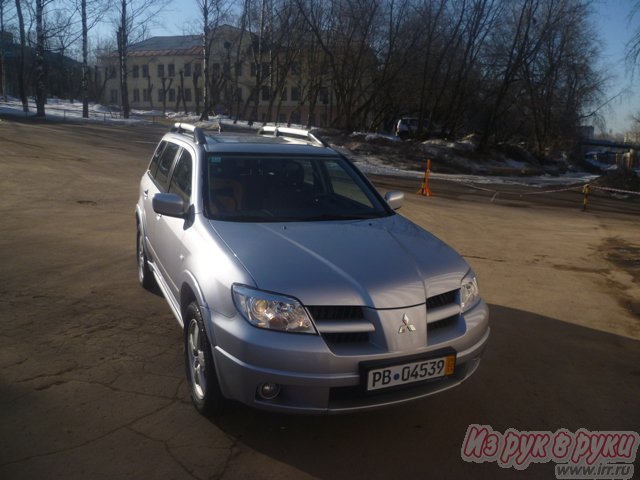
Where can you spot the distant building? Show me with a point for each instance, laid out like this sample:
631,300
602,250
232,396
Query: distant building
167,73
63,73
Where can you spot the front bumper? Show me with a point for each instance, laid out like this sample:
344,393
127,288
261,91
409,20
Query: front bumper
316,380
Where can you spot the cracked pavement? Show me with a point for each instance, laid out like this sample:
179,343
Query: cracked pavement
91,368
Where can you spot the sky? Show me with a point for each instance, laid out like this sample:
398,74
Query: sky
612,26
616,29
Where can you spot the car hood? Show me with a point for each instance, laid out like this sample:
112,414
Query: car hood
380,263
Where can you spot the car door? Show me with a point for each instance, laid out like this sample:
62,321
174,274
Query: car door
156,181
169,230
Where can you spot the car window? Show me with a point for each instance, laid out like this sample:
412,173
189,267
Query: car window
164,165
342,184
287,188
181,178
153,166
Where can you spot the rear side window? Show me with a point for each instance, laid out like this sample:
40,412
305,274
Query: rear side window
181,178
153,166
164,165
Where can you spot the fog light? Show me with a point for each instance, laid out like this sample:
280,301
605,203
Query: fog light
269,391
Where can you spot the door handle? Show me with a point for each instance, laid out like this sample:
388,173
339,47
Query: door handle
146,193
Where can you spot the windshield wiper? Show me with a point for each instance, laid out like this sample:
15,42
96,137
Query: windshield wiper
339,216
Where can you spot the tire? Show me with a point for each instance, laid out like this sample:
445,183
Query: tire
145,275
202,379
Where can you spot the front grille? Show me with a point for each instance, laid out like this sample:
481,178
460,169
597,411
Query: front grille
339,312
441,300
445,322
349,337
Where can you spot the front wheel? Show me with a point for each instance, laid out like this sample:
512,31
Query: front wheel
200,369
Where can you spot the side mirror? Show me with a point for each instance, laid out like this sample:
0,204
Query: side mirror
169,204
394,199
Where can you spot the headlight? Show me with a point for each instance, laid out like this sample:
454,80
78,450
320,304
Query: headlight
469,293
270,311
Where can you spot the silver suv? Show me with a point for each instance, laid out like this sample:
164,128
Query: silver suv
298,287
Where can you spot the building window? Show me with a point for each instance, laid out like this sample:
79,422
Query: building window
239,69
161,70
111,72
187,69
136,95
282,118
265,70
160,95
197,69
172,94
283,94
187,94
253,69
295,94
239,93
266,94
136,71
114,96
172,70
145,95
145,71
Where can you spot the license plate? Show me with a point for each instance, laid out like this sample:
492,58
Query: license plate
405,373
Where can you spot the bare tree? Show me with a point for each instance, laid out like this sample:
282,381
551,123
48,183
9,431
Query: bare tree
633,45
256,19
41,83
181,94
133,18
91,13
21,59
150,91
213,13
165,89
345,31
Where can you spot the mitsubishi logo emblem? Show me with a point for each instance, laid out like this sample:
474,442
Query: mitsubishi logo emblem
408,326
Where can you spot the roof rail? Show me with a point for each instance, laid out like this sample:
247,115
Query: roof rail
297,133
198,134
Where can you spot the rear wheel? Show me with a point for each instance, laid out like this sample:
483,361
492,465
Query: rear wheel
145,276
200,369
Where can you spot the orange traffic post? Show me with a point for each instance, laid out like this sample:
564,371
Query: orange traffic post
424,188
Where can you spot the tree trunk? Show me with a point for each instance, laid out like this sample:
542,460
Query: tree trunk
122,54
150,91
41,81
21,75
184,101
2,55
205,61
196,78
85,63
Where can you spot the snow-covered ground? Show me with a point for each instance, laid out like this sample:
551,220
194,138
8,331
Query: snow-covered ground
371,165
64,109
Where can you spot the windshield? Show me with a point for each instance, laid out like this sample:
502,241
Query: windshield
283,188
